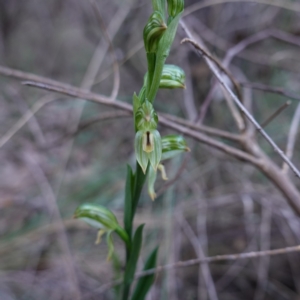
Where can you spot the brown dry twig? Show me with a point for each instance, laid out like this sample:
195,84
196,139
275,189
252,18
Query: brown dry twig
270,89
242,108
116,69
84,125
78,93
210,259
292,137
217,62
275,113
206,3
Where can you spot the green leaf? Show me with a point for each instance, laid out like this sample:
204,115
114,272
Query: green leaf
101,218
97,216
162,53
142,95
139,181
151,60
144,284
134,255
118,274
136,103
128,201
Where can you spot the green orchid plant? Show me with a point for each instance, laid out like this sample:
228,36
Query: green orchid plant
150,149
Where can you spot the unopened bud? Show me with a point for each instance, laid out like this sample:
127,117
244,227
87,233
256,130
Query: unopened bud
146,117
173,145
101,218
153,31
172,77
175,7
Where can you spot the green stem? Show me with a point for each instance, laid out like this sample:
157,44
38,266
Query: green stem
159,65
151,58
139,180
124,236
161,56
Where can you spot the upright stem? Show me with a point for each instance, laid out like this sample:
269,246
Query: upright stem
139,180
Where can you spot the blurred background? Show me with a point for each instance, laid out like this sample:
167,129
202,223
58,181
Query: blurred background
218,204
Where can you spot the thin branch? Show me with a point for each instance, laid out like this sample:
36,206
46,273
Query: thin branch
210,259
48,194
79,93
203,128
271,89
217,258
33,124
292,137
278,3
84,125
176,177
242,45
217,62
25,118
206,273
264,261
31,77
205,104
275,113
56,86
164,121
244,110
116,69
84,94
129,54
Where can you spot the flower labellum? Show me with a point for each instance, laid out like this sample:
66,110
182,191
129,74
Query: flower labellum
148,148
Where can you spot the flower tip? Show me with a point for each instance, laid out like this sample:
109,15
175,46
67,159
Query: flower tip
152,196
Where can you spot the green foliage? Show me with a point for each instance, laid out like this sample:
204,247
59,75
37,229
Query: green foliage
103,219
161,56
128,201
132,260
150,148
144,284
